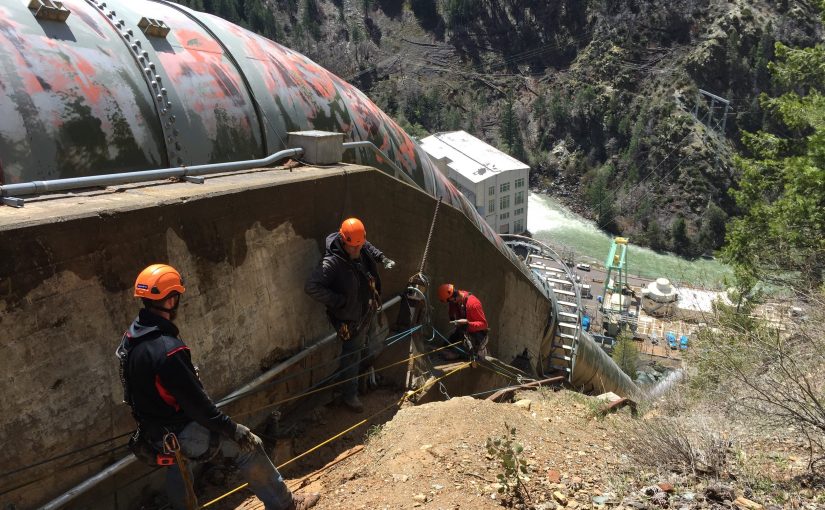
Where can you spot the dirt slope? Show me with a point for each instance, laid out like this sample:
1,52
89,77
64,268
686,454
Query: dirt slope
433,456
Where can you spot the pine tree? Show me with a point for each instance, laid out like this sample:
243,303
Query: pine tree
678,236
626,354
312,18
782,188
712,232
510,132
601,198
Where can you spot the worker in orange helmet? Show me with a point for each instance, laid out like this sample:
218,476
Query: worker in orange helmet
467,315
166,396
347,282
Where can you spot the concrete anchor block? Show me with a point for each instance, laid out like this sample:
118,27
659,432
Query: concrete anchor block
320,147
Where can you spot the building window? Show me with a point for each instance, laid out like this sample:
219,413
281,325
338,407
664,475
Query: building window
518,226
504,187
519,198
491,206
520,182
519,211
504,203
504,229
504,216
492,191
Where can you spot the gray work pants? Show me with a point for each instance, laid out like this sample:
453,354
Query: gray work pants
366,342
256,469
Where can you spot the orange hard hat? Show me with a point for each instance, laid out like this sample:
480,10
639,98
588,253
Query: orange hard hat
445,290
157,281
353,232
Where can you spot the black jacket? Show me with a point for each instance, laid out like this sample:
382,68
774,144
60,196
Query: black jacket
342,284
160,382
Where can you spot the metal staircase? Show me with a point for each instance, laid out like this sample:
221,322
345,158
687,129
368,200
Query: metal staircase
558,349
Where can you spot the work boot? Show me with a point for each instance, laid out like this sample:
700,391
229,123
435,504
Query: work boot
304,501
354,403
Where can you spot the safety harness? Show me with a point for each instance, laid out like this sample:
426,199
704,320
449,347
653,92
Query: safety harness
345,331
140,442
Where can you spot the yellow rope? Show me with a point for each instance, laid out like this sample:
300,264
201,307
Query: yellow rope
233,491
328,386
499,372
365,420
336,436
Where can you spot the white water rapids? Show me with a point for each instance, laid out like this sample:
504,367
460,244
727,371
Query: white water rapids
565,231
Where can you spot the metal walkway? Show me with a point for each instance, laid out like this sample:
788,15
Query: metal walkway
558,349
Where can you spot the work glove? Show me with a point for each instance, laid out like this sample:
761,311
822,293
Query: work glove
344,332
388,263
246,440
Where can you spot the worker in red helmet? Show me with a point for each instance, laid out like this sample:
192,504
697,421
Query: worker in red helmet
162,387
467,315
347,282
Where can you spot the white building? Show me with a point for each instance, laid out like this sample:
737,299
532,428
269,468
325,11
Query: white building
493,181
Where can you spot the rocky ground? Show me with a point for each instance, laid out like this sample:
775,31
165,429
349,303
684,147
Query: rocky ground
434,456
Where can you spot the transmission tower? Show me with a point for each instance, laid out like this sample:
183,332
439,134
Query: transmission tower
714,104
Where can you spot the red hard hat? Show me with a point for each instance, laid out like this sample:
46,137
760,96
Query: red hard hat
445,290
353,232
157,281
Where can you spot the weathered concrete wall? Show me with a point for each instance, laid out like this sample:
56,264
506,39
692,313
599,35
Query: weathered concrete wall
244,244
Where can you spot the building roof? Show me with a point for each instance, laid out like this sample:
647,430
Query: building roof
470,156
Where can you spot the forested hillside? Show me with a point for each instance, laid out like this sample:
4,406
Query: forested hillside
600,97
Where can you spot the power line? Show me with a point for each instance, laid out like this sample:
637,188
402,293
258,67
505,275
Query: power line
652,173
675,167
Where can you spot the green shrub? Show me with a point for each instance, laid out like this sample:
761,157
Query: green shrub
514,470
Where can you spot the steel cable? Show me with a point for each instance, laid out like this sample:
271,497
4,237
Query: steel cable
429,237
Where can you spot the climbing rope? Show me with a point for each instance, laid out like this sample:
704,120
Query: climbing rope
172,445
63,455
390,340
406,396
518,378
81,462
338,383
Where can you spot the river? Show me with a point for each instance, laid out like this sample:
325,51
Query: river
562,229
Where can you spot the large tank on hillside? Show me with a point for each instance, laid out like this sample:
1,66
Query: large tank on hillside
90,87
101,87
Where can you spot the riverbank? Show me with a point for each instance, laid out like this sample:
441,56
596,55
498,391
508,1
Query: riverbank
570,234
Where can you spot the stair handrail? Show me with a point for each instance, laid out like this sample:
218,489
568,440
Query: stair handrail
546,251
